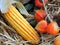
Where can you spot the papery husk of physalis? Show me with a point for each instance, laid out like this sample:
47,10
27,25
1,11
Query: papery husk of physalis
57,40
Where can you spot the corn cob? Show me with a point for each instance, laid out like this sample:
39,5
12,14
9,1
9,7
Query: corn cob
21,25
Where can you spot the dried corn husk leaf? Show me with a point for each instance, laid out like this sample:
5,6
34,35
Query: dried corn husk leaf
22,10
